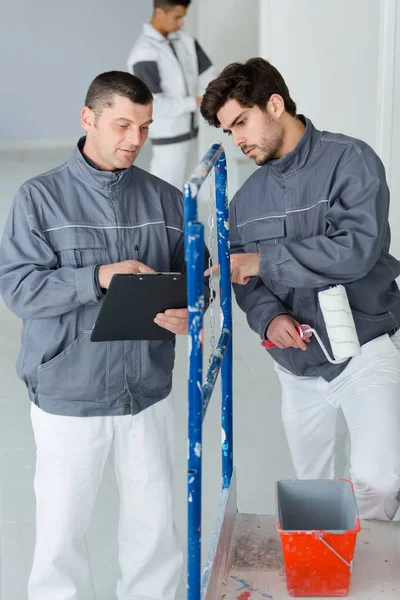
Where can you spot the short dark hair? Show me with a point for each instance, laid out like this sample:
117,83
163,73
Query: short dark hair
251,83
103,88
168,4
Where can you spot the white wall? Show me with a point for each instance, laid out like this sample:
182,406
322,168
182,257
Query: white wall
227,30
49,53
341,61
327,53
394,140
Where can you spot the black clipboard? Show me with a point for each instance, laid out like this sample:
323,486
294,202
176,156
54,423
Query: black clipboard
132,302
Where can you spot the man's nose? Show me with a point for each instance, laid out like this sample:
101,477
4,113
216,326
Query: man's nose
238,138
134,137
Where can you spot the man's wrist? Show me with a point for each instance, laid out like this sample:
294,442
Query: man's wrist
99,290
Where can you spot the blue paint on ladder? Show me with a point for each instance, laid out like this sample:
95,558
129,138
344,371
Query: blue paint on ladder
199,394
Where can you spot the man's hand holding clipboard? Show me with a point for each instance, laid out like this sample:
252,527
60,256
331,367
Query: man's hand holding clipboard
126,267
174,320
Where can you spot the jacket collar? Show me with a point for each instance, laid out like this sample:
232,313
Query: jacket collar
149,31
91,175
296,159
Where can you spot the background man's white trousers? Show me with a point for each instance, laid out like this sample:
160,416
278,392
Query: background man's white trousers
368,393
71,454
174,162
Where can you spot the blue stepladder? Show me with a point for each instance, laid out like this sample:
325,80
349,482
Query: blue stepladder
199,392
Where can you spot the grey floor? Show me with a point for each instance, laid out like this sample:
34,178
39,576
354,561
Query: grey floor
261,453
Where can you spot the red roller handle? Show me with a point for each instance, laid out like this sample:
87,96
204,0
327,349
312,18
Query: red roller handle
303,330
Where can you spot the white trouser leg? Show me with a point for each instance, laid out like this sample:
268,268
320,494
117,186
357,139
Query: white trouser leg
71,453
310,425
149,553
368,392
173,162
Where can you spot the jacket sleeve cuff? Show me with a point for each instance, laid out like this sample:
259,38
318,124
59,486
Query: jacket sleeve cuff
267,318
268,261
100,292
190,104
85,284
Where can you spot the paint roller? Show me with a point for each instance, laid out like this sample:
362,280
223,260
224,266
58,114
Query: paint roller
339,325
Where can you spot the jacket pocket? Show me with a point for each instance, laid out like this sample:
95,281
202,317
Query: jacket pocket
361,316
79,246
262,231
265,232
371,326
80,373
158,359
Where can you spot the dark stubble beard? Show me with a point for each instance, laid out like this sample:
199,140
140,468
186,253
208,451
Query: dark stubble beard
270,143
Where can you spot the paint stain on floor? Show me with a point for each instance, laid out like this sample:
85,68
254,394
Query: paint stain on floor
244,596
253,549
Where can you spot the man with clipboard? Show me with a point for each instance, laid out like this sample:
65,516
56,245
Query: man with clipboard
69,231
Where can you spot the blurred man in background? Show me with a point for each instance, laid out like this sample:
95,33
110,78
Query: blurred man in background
177,71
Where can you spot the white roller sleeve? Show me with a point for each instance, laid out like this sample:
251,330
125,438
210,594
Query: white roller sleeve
339,322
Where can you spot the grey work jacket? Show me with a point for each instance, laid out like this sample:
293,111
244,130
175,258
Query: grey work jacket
318,217
62,224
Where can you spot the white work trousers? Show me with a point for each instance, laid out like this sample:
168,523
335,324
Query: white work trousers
71,454
174,162
368,393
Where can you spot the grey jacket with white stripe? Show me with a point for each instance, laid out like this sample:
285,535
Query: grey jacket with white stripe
62,224
176,69
318,217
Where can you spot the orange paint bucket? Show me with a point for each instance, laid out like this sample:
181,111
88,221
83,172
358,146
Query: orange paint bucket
318,524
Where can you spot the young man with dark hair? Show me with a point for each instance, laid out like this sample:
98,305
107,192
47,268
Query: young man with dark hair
69,231
314,215
177,71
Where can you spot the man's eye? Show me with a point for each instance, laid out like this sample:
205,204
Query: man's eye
242,122
146,128
123,126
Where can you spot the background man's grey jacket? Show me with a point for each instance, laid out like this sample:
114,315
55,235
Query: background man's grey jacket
318,217
176,70
62,224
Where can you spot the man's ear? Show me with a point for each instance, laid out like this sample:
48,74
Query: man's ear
275,106
87,118
159,12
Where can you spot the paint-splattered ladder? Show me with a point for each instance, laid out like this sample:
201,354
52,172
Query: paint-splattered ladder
199,393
